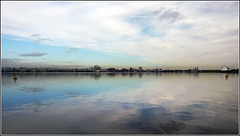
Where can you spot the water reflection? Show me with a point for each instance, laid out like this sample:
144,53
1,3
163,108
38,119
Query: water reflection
226,77
32,89
156,120
184,116
97,75
14,79
124,103
196,75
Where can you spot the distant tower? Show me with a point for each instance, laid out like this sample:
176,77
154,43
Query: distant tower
140,69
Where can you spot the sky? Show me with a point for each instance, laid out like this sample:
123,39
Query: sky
148,34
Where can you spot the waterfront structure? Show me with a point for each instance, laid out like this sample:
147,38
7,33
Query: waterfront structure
195,69
158,70
96,68
131,69
111,70
124,70
91,69
85,69
224,68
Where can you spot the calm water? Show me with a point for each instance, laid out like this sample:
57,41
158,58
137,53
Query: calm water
120,103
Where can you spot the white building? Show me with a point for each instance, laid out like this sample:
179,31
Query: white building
224,68
96,68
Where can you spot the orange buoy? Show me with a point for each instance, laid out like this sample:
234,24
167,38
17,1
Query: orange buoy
15,77
226,76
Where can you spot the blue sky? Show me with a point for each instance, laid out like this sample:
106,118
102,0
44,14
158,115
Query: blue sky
120,34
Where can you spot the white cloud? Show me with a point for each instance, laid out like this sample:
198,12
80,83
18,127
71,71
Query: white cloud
159,32
33,54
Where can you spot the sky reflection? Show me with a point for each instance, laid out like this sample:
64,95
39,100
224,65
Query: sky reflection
116,103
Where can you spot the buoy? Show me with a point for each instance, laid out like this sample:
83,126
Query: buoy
226,75
15,77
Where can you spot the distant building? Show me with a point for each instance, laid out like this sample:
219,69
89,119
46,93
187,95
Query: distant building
96,68
131,70
195,69
91,69
103,70
148,70
22,69
111,70
140,69
85,70
124,70
158,70
224,68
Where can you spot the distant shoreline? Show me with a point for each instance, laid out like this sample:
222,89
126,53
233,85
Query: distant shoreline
164,71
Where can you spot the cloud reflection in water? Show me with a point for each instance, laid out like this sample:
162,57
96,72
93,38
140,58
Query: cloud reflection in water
166,104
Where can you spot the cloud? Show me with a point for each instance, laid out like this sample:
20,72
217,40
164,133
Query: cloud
173,16
16,62
71,50
35,35
66,62
141,29
38,38
33,54
168,15
13,60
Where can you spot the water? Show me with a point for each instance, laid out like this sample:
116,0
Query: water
100,103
